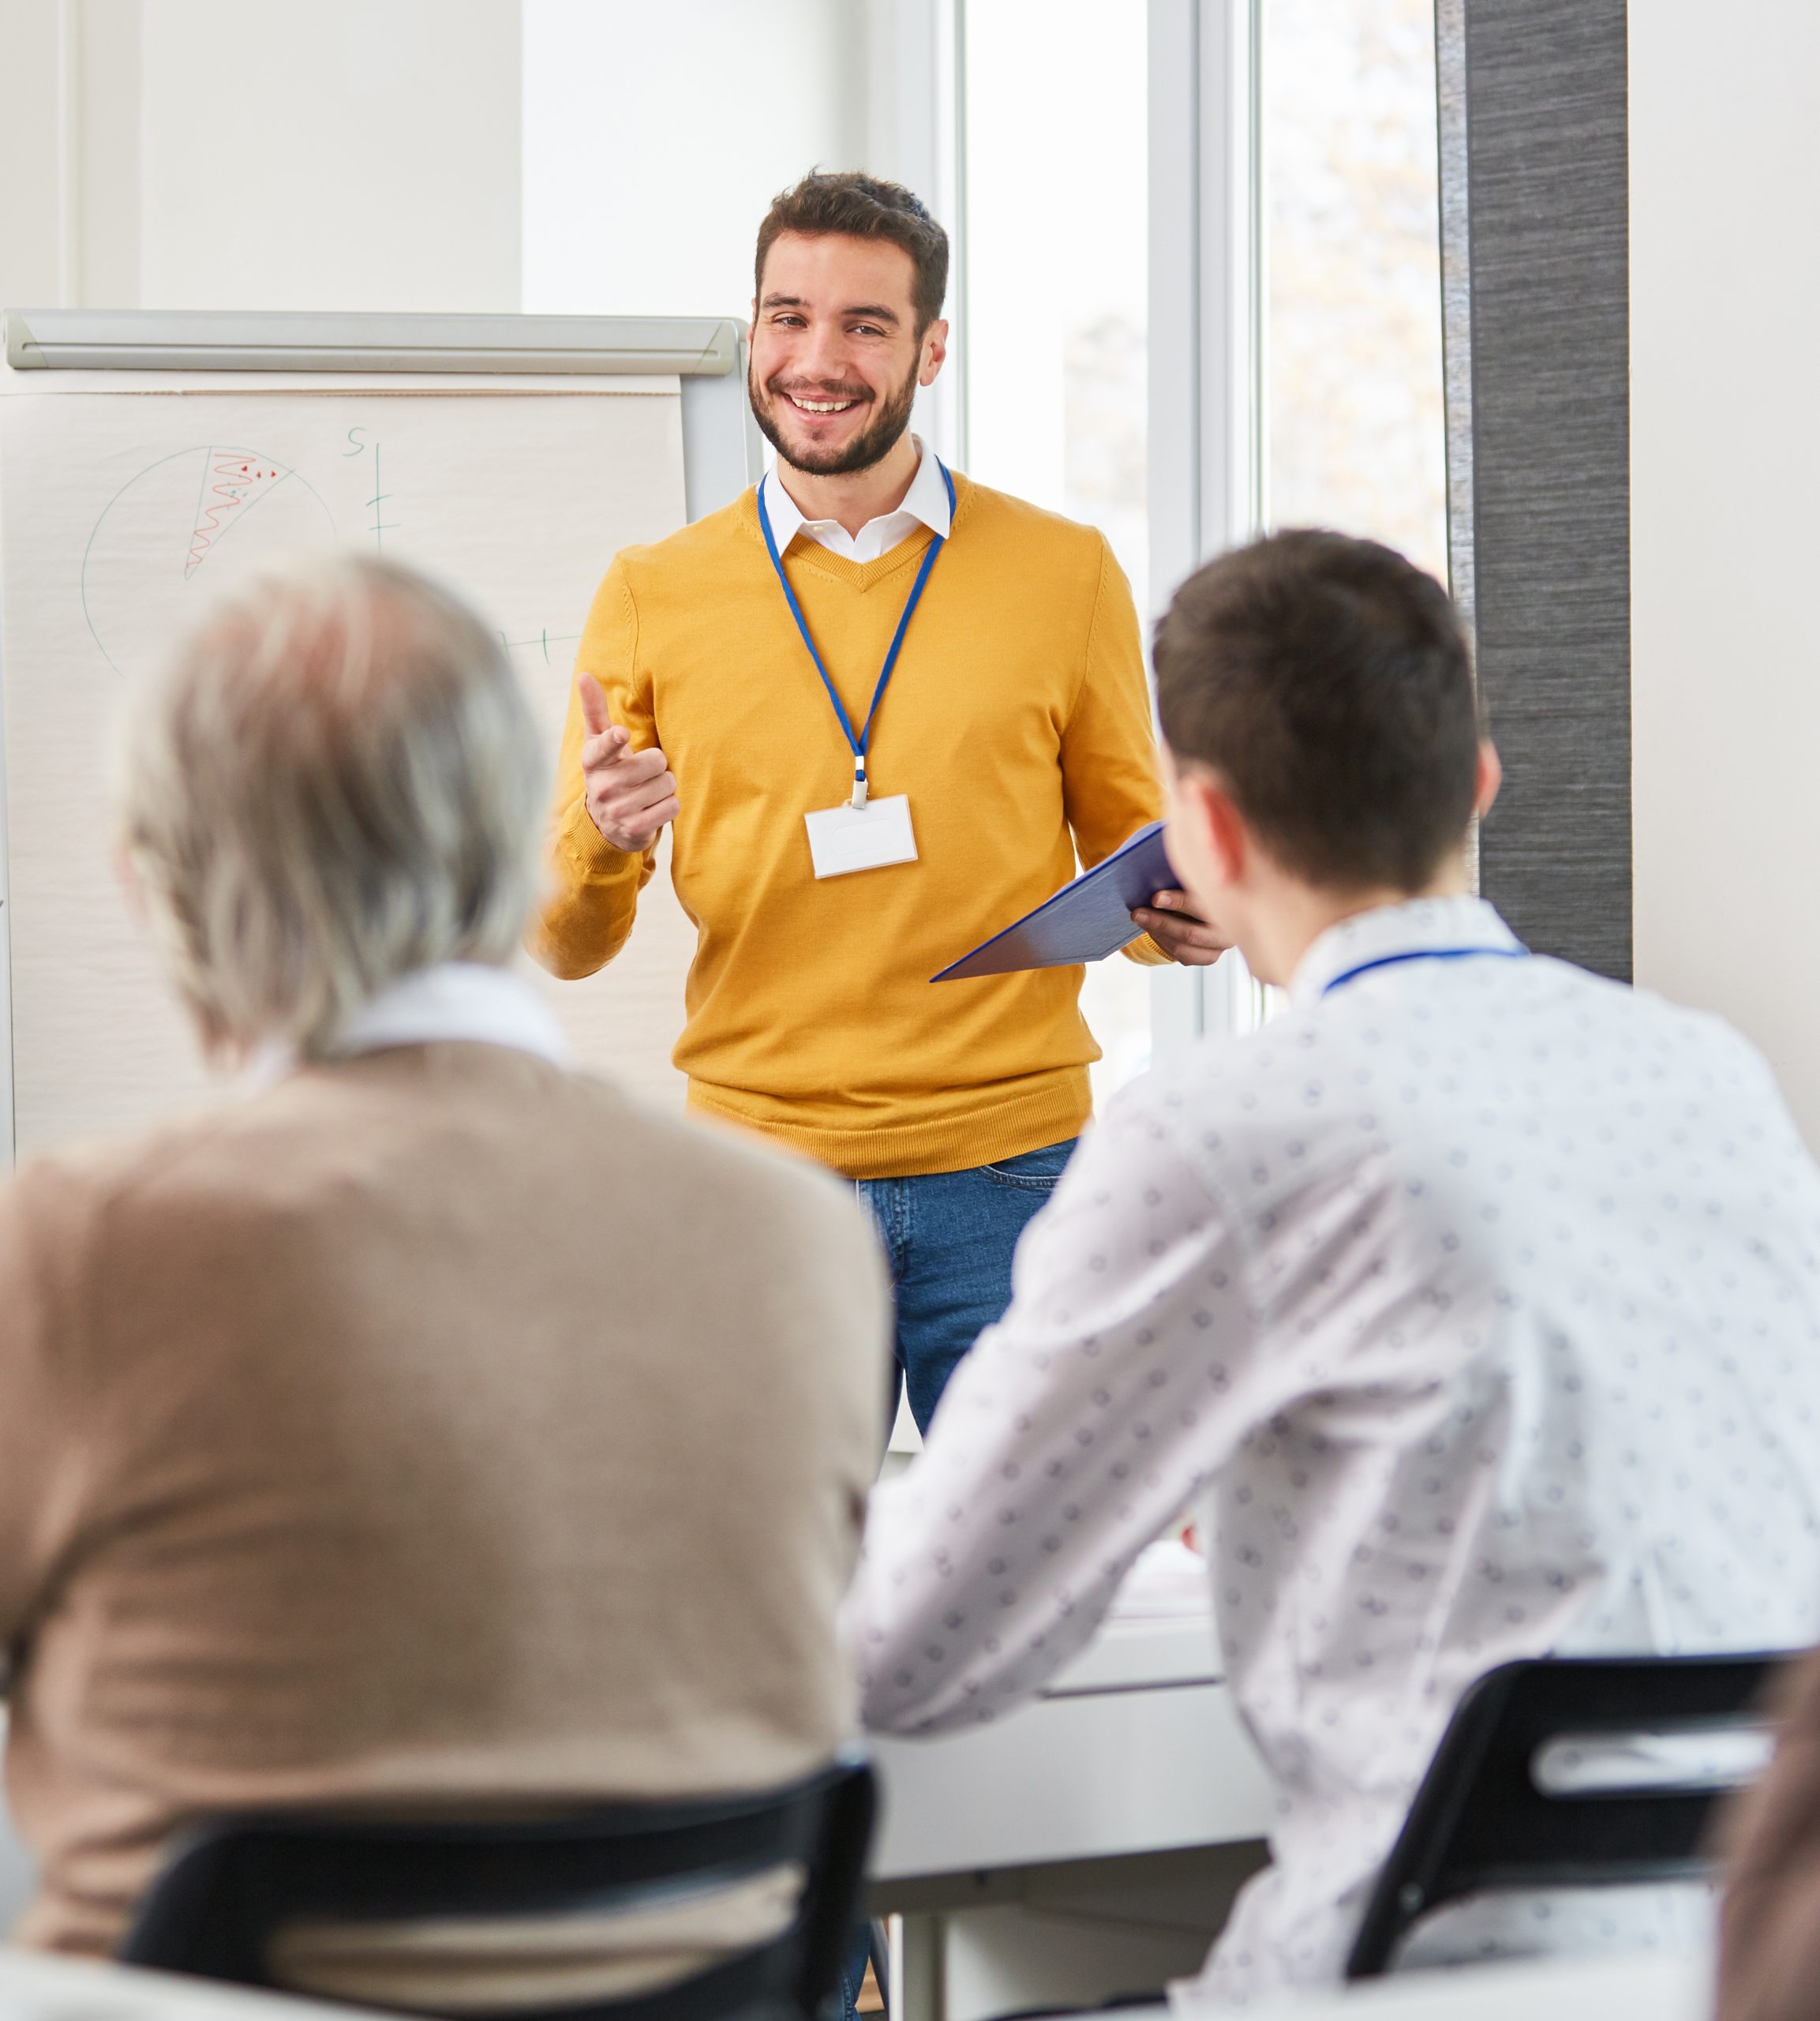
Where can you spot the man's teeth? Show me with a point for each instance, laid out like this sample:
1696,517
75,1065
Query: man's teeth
822,406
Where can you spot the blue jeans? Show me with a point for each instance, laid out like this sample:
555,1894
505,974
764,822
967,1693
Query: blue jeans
949,1236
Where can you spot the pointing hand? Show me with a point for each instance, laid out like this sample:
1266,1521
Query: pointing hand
630,794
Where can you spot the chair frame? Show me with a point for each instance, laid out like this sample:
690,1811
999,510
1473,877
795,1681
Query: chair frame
1479,1823
233,1882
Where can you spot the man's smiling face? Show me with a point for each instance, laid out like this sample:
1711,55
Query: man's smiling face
836,356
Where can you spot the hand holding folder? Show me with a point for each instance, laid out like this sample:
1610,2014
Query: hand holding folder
1085,921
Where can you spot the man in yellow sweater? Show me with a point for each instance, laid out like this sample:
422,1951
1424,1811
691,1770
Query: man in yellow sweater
882,709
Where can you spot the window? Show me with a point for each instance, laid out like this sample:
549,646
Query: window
1351,429
1052,312
1354,431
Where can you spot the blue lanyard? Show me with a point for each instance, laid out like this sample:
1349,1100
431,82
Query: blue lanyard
1426,954
858,743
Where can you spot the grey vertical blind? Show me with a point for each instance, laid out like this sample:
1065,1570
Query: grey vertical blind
1535,282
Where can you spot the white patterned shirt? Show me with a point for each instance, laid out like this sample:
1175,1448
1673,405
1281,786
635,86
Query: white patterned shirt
1481,1298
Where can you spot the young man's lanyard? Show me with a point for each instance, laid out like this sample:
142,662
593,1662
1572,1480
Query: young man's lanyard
858,743
1426,954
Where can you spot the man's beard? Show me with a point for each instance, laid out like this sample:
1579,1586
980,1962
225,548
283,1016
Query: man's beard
870,446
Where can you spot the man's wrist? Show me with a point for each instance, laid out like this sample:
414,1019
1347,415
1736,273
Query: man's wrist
1148,952
589,852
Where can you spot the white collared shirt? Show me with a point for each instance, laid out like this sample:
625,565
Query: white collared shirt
468,1001
456,1000
1480,1297
925,504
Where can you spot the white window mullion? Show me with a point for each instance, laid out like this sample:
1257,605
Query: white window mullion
1205,418
915,126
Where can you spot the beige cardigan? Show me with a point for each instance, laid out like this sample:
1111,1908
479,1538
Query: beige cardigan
433,1428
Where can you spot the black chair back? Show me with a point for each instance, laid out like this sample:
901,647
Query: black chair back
1480,1820
234,1884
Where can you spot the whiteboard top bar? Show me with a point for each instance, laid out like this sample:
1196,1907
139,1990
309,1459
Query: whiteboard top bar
190,340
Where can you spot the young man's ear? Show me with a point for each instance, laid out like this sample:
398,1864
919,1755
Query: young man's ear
1208,844
1491,778
934,351
128,883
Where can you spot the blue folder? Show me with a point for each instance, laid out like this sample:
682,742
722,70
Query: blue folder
1085,921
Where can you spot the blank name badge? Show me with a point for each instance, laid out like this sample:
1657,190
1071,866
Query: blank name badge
844,839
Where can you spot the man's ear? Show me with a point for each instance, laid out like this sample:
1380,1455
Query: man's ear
127,881
1491,778
934,351
1220,840
1231,837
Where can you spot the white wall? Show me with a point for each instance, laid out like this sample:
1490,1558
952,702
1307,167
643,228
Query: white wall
208,154
655,139
30,218
604,155
1725,518
68,152
212,153
349,154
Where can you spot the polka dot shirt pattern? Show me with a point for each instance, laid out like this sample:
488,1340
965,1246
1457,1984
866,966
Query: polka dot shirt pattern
1481,1300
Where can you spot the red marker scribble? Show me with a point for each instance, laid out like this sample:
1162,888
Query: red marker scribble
230,479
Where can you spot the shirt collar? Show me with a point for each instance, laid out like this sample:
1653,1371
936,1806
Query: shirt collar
456,1001
1419,926
926,501
451,1000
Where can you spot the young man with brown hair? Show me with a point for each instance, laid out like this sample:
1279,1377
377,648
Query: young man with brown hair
1480,1296
883,710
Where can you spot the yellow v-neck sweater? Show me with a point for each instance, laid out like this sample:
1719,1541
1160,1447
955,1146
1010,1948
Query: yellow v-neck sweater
1018,723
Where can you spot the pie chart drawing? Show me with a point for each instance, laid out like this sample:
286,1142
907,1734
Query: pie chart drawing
174,537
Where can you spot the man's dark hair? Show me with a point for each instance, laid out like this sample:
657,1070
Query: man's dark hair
862,206
1327,681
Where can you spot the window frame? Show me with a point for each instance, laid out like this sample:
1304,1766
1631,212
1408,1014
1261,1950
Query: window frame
1204,309
1206,362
